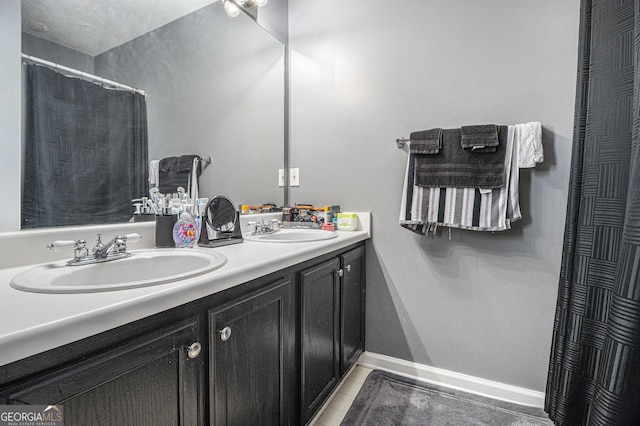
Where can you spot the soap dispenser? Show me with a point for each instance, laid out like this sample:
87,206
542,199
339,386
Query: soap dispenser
185,231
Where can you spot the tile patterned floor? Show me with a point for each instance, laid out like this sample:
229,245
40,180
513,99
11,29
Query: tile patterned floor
342,398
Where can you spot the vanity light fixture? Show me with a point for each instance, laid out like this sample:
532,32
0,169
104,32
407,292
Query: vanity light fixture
232,7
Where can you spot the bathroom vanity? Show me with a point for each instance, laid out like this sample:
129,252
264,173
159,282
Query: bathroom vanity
262,340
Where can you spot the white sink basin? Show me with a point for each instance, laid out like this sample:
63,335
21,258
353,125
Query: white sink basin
143,268
293,236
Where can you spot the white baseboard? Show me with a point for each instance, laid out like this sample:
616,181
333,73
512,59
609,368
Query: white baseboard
451,379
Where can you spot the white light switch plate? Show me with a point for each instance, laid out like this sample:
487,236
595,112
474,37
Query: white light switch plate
280,177
294,177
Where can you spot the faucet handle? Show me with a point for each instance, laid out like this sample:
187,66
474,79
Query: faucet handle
132,238
99,243
61,244
121,241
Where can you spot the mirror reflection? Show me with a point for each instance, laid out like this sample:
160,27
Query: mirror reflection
214,87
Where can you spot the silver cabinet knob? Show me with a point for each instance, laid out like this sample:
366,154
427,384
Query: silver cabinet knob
340,272
225,333
348,268
194,350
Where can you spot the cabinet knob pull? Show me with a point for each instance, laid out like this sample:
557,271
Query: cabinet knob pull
340,272
194,350
225,333
348,268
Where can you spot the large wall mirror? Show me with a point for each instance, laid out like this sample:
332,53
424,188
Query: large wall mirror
214,84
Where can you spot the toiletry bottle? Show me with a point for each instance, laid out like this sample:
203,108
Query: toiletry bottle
185,231
327,216
334,215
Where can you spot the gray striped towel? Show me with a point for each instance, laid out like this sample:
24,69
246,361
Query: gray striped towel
424,209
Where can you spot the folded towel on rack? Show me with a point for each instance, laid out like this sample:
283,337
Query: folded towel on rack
426,141
424,209
459,168
186,163
530,151
479,138
177,171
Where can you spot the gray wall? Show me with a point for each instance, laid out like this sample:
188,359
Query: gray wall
10,112
44,49
274,18
365,73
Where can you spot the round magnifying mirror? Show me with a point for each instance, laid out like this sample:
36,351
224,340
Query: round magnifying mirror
221,214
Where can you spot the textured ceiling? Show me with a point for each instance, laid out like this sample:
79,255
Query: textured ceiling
94,26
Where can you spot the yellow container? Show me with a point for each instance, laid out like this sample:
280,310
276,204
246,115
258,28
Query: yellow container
347,221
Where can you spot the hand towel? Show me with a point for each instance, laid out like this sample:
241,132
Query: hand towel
154,171
194,181
185,162
425,141
530,151
460,168
175,172
480,138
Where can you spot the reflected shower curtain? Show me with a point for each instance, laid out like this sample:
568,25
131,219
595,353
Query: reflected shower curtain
85,151
594,370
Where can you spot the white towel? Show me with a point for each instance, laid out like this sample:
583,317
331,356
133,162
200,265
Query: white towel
530,150
154,172
194,192
424,209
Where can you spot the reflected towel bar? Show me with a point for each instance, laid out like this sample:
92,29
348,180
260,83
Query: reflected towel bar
401,141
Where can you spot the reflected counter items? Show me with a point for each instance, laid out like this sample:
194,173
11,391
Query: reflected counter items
164,230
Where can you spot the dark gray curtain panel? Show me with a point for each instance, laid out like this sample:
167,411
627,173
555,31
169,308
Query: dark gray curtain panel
594,370
85,151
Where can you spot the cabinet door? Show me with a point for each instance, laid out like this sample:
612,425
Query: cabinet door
319,288
250,345
150,380
352,307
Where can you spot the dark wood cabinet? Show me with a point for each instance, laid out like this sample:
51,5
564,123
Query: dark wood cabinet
352,307
249,366
151,380
320,325
332,297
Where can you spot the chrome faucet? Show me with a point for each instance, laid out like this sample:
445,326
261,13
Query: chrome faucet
263,227
117,245
114,249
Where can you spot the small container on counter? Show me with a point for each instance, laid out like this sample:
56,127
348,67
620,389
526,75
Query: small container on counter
328,227
347,221
164,230
333,212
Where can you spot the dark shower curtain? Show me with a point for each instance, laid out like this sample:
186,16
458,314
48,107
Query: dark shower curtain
594,371
85,151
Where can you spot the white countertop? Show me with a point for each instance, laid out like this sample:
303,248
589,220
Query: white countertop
31,323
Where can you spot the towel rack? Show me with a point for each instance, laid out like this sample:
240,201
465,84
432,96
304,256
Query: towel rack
401,141
205,160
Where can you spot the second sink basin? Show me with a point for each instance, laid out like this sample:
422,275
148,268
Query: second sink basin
292,236
143,268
